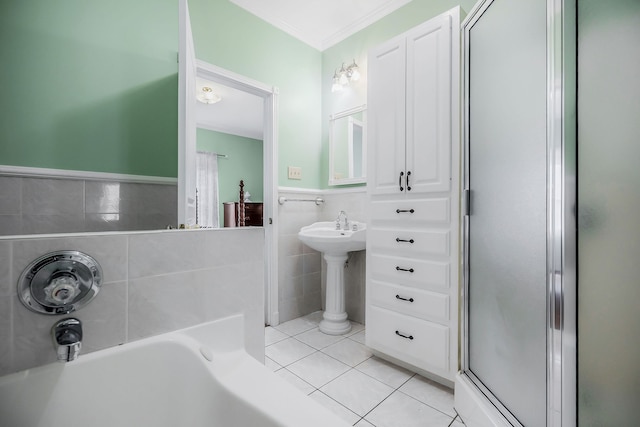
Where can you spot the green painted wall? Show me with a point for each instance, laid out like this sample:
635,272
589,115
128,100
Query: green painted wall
231,38
356,47
89,85
244,161
92,85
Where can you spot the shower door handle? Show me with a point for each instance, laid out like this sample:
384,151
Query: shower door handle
466,202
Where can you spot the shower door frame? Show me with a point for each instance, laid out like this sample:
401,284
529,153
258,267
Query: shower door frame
561,271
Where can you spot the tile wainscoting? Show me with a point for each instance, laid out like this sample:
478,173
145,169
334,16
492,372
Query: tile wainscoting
154,282
31,205
301,269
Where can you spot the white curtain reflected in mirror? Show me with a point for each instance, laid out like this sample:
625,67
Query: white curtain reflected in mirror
207,190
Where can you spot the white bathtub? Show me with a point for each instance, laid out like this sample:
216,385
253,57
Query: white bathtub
167,380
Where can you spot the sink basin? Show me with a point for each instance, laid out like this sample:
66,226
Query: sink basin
335,245
323,237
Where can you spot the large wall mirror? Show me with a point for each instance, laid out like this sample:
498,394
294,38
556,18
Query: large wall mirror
348,147
92,144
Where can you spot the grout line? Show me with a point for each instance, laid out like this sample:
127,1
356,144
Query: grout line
340,403
397,389
301,379
425,403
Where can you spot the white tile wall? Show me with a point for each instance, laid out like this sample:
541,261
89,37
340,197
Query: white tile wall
31,205
154,282
301,269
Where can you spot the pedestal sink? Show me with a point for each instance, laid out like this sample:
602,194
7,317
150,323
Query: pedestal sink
335,245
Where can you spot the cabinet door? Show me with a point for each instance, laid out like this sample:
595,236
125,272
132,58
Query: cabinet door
386,117
428,133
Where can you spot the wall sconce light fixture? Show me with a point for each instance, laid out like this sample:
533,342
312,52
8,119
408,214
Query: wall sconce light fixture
344,76
206,95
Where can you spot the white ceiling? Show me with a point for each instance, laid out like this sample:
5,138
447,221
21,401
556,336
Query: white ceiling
320,23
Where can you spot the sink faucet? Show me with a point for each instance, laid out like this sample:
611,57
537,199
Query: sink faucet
344,225
67,337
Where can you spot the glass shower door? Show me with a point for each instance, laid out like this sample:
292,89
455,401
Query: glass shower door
506,348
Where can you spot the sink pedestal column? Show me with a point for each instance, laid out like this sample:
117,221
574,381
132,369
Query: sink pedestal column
334,320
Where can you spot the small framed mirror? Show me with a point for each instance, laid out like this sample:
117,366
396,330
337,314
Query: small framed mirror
348,147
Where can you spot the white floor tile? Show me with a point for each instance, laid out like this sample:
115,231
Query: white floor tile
318,369
363,423
314,317
357,391
335,407
296,326
400,410
355,328
317,339
271,364
295,381
288,351
272,336
347,351
358,337
390,374
431,393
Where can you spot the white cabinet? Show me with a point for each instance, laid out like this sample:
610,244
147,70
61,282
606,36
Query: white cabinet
409,97
413,197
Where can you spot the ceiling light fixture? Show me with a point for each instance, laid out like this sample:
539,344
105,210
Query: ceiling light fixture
344,76
206,95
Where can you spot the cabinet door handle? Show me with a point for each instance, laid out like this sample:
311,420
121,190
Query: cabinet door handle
410,270
409,337
400,181
399,240
408,186
404,299
405,210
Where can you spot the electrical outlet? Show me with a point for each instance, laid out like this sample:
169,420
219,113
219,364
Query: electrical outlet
295,172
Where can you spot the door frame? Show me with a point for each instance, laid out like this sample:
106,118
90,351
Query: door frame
189,67
269,94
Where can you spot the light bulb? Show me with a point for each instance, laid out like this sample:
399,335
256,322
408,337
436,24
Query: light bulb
336,86
355,74
354,71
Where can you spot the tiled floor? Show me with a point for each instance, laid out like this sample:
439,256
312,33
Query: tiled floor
341,373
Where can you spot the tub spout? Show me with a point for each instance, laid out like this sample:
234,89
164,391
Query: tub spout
67,338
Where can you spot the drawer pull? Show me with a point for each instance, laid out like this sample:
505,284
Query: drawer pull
405,210
410,270
399,240
404,299
409,337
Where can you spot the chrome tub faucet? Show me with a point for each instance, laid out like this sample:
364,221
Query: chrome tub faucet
67,338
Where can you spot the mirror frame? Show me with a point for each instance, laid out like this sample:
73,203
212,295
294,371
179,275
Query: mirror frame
332,118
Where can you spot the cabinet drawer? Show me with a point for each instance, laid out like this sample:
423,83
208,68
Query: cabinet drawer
411,301
409,271
412,243
418,342
407,213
